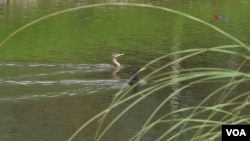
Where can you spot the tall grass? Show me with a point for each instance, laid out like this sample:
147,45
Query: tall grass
202,128
228,108
205,128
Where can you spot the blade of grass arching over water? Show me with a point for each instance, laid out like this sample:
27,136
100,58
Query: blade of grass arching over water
93,119
117,103
196,52
236,54
143,96
117,100
238,97
236,82
223,51
192,76
233,118
232,87
126,4
217,124
202,110
132,106
179,90
244,104
185,120
154,88
120,101
157,87
165,76
219,49
212,94
194,73
211,124
160,105
202,137
192,52
86,124
244,120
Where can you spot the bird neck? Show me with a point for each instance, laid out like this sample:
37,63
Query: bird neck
115,62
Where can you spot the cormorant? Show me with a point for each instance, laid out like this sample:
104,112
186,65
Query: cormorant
114,59
115,64
135,78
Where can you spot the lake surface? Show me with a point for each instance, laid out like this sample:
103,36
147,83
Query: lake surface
49,87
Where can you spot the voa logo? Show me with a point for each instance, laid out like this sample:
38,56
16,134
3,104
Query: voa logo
236,132
219,17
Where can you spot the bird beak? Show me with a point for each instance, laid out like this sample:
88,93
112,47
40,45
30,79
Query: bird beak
142,69
119,55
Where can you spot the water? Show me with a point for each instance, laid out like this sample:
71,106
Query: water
47,80
48,87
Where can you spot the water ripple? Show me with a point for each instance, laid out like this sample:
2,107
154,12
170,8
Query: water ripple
49,95
66,82
23,81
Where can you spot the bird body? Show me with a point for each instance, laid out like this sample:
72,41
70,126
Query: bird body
114,59
115,64
135,79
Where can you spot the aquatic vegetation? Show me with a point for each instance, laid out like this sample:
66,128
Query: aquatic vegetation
228,108
201,121
194,76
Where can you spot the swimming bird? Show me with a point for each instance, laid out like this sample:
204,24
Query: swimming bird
115,64
114,59
135,79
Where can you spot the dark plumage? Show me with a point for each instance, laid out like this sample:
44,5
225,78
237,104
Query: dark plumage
135,78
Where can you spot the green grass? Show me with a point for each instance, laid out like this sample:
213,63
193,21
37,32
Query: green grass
204,128
193,76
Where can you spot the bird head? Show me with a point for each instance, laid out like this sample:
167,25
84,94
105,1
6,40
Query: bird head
115,55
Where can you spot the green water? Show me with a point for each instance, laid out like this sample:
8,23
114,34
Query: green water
48,88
